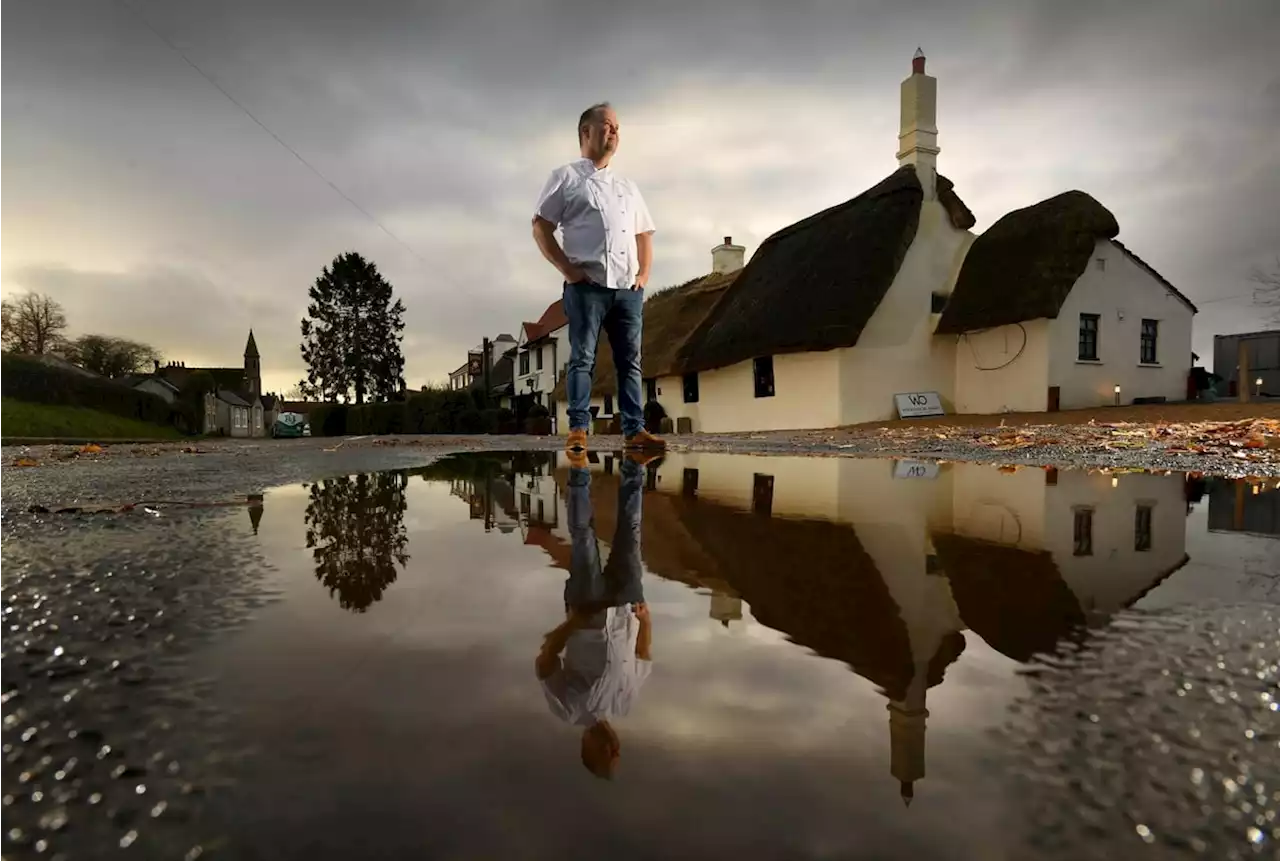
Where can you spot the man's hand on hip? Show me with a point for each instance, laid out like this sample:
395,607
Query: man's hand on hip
574,274
641,280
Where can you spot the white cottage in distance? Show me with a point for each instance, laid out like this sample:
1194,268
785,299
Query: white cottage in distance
891,292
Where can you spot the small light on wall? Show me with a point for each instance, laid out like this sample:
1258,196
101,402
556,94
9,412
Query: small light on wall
1257,386
1117,391
1115,482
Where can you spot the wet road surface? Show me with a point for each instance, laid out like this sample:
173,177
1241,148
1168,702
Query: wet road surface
841,659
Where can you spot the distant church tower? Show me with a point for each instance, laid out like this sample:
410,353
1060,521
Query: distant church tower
252,366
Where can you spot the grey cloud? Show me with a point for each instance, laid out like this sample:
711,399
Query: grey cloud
442,119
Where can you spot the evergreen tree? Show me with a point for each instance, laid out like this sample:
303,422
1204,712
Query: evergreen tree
352,333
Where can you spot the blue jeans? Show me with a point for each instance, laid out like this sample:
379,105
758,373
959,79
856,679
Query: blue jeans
620,312
592,586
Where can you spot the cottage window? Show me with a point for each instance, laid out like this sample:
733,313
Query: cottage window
937,302
524,363
690,483
762,494
1101,263
650,390
764,376
1142,528
608,405
1150,333
690,388
1084,532
539,355
1088,338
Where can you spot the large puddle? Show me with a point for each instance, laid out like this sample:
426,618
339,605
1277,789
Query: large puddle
837,658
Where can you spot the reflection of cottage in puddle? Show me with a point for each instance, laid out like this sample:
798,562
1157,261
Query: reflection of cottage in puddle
883,568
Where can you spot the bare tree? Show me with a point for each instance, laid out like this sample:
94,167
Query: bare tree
7,320
1267,293
32,324
295,393
110,356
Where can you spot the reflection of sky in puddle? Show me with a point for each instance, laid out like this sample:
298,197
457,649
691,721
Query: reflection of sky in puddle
405,714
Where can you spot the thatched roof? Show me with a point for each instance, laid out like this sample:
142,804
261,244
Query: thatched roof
1024,265
1014,599
814,285
671,316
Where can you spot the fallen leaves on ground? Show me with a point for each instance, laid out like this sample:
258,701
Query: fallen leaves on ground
1246,439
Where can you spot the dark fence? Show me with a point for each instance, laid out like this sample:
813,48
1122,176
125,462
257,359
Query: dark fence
436,412
28,379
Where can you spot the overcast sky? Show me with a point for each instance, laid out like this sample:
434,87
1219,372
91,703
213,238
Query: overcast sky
152,207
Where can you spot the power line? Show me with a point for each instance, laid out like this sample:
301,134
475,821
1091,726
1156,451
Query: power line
261,125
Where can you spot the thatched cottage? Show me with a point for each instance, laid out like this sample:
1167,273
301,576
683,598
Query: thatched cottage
892,293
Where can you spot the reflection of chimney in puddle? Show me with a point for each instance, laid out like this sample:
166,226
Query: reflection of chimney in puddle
725,608
906,734
255,510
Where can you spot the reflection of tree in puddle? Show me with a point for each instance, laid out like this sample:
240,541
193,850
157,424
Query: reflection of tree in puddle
355,530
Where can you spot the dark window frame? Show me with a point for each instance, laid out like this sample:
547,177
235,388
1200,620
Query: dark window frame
1087,337
1082,532
1142,519
1149,346
690,386
762,374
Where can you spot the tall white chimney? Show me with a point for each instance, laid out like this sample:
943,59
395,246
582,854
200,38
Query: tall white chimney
727,257
918,137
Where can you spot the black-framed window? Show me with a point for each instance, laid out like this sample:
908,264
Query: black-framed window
608,405
762,494
689,487
1150,335
538,353
1142,528
764,376
937,303
690,388
1088,338
524,363
650,390
1083,532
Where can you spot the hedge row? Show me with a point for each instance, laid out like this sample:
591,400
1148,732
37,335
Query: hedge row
27,379
439,412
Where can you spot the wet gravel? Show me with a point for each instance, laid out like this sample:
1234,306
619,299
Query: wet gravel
1165,727
108,744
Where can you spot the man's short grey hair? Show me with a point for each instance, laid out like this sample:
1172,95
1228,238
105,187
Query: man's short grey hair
593,114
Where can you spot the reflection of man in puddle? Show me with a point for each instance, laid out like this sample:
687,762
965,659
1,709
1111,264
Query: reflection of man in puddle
606,632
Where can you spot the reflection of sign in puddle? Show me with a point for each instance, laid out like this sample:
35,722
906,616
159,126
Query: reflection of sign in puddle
915,469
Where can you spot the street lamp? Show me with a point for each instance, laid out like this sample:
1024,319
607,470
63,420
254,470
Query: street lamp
1117,391
1257,387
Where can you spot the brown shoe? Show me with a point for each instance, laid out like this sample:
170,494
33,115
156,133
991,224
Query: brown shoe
577,440
644,459
642,440
576,459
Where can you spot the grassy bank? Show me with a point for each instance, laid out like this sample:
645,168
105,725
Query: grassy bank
24,419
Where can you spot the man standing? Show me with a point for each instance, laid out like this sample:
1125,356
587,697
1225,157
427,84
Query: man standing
608,249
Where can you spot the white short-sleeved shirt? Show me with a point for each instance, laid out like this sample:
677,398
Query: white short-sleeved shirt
599,214
601,674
